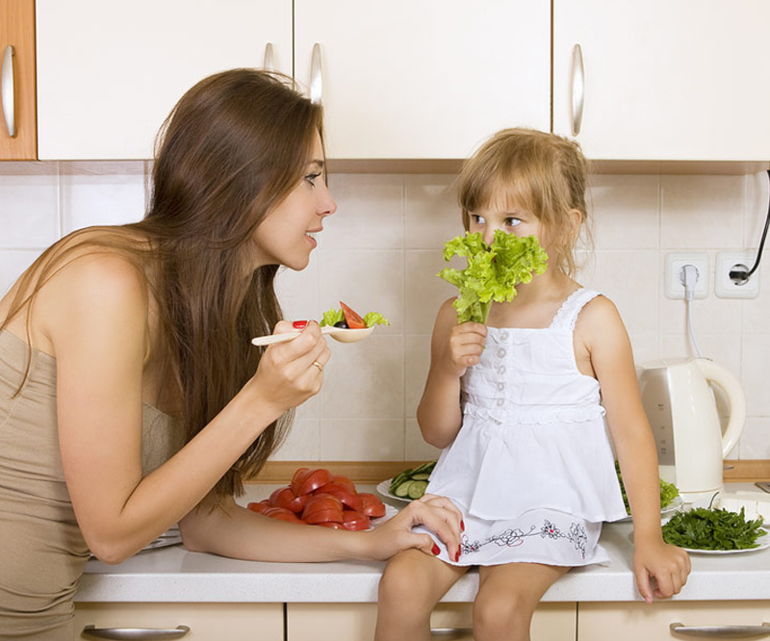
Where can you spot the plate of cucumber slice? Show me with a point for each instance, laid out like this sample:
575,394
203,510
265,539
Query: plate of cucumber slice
409,484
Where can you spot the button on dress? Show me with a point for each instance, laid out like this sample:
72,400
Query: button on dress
532,467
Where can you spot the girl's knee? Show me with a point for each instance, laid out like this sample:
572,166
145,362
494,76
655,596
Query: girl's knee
403,584
501,615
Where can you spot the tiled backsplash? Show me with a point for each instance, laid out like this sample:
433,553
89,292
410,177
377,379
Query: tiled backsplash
381,251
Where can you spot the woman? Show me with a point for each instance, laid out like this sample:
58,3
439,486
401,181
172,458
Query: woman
130,396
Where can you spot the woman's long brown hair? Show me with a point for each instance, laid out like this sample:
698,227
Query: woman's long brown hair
232,149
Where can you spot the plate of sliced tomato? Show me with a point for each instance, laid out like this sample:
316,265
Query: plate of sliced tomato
318,497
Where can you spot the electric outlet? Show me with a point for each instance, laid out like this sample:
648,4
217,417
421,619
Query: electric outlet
724,286
674,265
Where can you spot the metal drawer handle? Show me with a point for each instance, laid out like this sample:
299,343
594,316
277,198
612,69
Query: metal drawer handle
450,634
269,59
8,91
316,76
722,631
136,634
577,89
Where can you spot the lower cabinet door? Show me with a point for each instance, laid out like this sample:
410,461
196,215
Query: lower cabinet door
206,621
450,622
714,620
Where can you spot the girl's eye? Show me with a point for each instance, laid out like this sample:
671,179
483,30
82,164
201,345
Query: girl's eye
512,222
311,178
479,220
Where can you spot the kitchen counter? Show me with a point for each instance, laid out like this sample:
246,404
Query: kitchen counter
172,574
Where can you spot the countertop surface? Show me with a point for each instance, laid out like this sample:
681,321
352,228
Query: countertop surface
172,574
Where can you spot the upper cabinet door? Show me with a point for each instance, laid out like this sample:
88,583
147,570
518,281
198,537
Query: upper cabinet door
428,79
662,80
110,72
17,80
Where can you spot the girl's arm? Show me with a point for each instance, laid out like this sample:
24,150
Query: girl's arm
454,348
604,336
94,315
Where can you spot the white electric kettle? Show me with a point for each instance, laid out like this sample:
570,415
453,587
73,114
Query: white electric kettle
680,406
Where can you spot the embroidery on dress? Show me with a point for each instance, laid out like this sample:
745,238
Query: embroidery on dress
514,537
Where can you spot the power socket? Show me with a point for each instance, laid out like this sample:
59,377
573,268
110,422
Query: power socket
674,264
724,286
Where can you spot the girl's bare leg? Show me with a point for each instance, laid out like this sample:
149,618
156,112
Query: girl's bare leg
507,598
411,586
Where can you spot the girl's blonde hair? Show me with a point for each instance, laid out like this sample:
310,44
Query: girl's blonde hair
542,173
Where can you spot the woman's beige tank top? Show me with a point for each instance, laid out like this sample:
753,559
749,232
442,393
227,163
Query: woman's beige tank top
43,553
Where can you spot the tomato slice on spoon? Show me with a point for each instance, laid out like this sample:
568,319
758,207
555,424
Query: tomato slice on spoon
353,320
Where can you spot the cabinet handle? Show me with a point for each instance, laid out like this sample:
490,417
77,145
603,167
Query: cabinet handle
269,63
577,89
7,89
450,634
316,76
722,631
136,634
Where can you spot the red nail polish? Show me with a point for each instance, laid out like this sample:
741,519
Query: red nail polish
301,324
457,556
435,549
462,525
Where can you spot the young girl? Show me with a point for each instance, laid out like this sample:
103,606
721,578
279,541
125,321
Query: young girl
130,393
527,459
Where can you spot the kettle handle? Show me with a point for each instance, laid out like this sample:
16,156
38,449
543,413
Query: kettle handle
732,387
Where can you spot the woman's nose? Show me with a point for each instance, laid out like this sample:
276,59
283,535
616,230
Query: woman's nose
327,206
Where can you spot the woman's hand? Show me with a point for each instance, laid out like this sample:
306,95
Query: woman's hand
667,564
289,373
464,347
435,512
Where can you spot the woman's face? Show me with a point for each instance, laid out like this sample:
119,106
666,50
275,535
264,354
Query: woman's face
286,235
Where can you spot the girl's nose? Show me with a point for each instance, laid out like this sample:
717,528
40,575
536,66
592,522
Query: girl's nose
489,235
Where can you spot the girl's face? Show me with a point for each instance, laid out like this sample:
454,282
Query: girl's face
286,235
510,219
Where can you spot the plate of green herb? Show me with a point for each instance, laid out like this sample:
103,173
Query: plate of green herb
670,501
715,531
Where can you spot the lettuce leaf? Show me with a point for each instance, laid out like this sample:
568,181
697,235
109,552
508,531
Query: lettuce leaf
375,318
492,272
334,316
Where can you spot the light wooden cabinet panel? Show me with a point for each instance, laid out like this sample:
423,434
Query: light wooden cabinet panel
17,31
110,72
685,80
429,79
356,621
642,622
207,621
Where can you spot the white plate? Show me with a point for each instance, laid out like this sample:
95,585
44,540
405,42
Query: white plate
383,488
669,509
764,543
390,512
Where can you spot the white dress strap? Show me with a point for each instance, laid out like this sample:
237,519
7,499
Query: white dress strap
567,315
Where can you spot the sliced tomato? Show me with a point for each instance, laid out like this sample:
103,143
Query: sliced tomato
319,502
285,497
258,506
372,505
282,514
306,481
353,520
346,497
344,480
321,516
353,320
334,525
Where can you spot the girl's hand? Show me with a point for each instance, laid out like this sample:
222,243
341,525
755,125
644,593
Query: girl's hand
289,373
667,564
466,342
435,512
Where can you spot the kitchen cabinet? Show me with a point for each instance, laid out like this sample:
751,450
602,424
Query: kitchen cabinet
429,79
206,621
685,80
110,72
18,139
641,622
356,621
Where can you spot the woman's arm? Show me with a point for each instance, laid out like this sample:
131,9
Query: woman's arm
94,313
230,530
601,330
454,348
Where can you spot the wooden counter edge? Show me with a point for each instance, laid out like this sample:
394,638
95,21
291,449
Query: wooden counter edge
278,472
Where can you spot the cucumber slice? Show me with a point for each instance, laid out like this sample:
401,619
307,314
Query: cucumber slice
398,480
417,489
403,489
420,477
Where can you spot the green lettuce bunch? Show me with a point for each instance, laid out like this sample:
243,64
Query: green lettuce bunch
492,272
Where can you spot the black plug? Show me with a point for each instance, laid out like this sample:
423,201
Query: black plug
739,274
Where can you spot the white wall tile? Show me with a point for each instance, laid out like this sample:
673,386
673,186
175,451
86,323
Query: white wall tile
755,440
625,211
754,370
432,212
369,439
425,291
303,442
370,212
29,209
13,262
416,371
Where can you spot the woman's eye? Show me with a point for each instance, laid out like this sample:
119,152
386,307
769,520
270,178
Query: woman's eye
311,178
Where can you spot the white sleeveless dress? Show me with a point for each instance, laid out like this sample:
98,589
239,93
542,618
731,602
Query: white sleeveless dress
532,468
